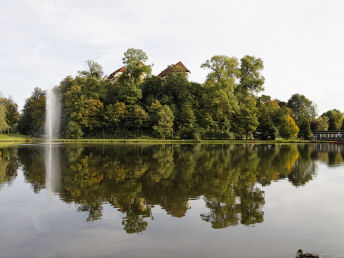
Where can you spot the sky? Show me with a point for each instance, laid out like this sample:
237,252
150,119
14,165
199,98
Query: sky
300,41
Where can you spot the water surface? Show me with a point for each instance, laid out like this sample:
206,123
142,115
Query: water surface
171,200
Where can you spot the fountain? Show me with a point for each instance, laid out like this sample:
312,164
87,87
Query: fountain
52,126
53,115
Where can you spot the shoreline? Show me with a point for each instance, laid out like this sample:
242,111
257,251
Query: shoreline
160,141
25,139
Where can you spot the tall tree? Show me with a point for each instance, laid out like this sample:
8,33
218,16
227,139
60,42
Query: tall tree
3,122
251,79
33,114
302,108
12,114
136,69
219,102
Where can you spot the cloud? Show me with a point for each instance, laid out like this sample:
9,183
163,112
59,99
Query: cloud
45,40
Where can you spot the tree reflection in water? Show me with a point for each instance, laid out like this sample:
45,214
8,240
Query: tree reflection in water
134,178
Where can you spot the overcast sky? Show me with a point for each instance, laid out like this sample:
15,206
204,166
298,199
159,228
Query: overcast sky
300,41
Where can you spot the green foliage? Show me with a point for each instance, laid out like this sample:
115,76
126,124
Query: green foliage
32,119
305,130
302,109
163,117
3,121
11,111
245,120
115,114
288,128
73,130
335,119
224,71
129,93
134,60
320,124
250,78
94,70
265,129
136,104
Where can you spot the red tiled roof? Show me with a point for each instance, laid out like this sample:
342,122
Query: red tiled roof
120,70
170,68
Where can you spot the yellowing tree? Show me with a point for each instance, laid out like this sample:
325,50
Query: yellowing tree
288,128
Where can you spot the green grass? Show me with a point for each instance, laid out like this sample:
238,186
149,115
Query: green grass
161,141
15,138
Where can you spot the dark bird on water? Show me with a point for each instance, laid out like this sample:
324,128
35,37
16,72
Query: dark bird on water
300,254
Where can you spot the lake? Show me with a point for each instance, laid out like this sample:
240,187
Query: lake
81,200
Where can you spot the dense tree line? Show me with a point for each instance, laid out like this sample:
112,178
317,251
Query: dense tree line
228,104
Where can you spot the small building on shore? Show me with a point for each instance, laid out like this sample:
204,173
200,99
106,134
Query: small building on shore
117,73
172,67
328,135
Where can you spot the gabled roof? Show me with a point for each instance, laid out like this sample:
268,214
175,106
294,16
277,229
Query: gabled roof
170,68
120,70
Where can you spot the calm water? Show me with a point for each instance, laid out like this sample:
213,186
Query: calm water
171,201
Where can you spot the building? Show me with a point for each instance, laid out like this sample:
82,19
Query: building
328,135
162,74
117,73
170,68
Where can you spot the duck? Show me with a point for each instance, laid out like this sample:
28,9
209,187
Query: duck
300,254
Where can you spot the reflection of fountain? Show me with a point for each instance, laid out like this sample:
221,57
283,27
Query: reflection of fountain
52,125
52,167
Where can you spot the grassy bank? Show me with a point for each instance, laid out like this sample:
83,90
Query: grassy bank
161,141
15,138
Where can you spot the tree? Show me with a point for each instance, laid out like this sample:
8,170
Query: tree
115,114
12,114
266,109
3,123
162,118
94,70
320,124
302,109
129,93
265,129
251,79
288,128
73,130
245,119
305,130
223,71
136,69
335,119
33,115
136,118
218,101
86,112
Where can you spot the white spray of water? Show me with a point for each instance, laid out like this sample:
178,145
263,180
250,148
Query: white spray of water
53,115
52,127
